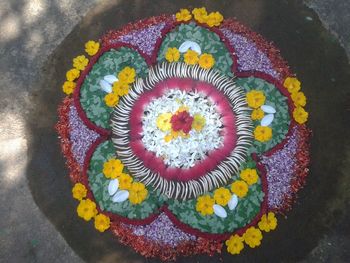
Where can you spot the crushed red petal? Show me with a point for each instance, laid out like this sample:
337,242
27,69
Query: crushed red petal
150,249
108,38
279,64
62,128
181,121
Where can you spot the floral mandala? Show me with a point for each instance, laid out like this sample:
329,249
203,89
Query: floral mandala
184,133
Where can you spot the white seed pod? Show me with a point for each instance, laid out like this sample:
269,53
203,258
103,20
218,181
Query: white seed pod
110,79
220,211
233,202
105,86
268,109
190,45
267,120
120,196
113,186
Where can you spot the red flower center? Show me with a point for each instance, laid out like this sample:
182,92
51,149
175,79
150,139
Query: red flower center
181,121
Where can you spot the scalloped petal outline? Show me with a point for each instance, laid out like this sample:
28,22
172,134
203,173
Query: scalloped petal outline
237,27
92,61
184,227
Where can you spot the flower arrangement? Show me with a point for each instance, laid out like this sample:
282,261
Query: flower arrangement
179,141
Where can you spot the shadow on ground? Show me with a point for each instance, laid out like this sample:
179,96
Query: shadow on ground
318,61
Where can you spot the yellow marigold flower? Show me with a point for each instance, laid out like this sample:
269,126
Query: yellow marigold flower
111,99
172,54
168,137
72,74
79,191
268,222
80,62
191,57
292,84
120,88
239,188
68,87
299,98
127,75
235,244
257,114
86,209
92,47
262,133
252,237
102,222
137,193
222,196
206,61
183,135
198,122
214,19
182,108
255,98
300,115
174,134
250,176
183,15
125,181
113,168
163,121
205,205
171,135
200,14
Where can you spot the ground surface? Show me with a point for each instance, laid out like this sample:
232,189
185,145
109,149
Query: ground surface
39,38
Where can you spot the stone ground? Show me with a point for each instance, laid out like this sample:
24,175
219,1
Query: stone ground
38,39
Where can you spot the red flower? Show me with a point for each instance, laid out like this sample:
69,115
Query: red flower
181,121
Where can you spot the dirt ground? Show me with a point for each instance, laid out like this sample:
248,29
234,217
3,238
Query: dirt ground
38,40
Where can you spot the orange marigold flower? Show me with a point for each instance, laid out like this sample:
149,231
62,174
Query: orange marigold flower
191,57
235,244
205,205
262,133
252,237
183,15
206,61
268,222
111,99
102,222
239,188
257,114
292,84
113,168
250,176
137,193
172,54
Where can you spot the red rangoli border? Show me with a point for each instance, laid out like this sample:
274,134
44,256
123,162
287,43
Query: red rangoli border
62,128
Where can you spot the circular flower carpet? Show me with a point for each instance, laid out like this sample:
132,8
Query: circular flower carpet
184,134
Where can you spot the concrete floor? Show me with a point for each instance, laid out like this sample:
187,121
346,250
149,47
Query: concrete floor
39,38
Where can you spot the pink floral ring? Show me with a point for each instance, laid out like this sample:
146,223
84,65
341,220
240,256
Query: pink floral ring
216,164
228,130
